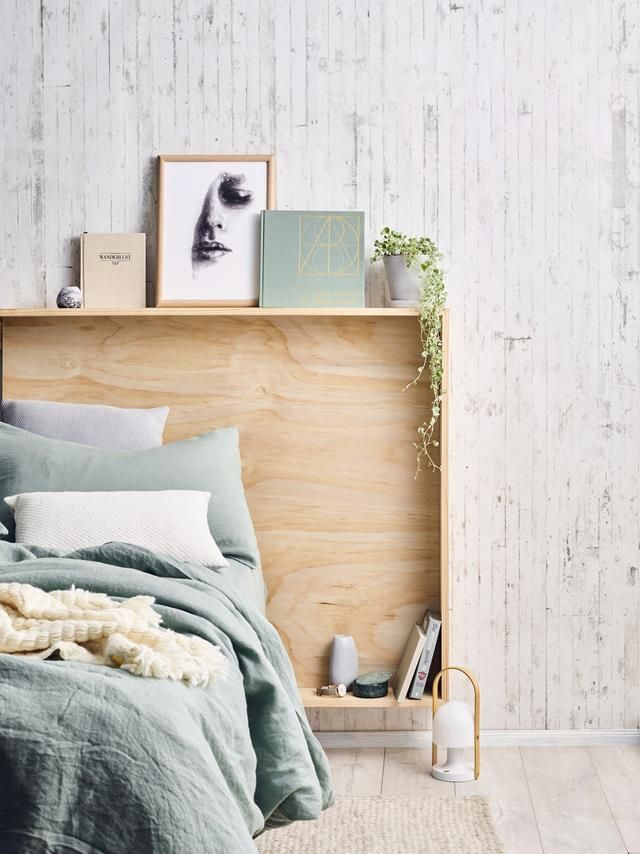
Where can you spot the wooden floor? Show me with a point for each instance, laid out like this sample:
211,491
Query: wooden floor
546,800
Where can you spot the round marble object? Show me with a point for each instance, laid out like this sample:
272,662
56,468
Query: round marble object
70,297
371,686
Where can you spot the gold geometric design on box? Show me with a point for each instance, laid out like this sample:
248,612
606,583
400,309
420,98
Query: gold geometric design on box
329,245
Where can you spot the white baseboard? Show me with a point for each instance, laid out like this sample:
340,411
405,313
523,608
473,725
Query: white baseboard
488,738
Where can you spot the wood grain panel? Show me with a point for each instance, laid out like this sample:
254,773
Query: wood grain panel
349,538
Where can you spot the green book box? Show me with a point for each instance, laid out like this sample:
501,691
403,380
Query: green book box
312,259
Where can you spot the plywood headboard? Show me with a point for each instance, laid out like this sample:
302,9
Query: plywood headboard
350,540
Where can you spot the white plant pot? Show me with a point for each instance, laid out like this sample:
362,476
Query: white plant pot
343,664
404,284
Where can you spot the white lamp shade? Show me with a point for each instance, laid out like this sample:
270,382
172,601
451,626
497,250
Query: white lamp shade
453,725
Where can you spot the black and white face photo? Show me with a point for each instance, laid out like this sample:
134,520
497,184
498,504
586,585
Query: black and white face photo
213,237
210,230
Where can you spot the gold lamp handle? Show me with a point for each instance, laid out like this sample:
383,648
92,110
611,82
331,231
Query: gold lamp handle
476,714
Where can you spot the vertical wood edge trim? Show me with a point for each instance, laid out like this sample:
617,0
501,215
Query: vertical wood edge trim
444,503
1,359
271,181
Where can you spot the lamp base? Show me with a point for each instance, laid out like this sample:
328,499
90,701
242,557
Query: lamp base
456,769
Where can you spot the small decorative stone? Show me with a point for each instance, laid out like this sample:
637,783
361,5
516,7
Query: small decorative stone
371,686
70,297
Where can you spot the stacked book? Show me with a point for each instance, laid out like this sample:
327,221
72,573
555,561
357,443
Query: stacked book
312,259
412,676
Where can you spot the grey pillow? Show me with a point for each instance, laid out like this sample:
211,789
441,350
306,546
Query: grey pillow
87,424
210,463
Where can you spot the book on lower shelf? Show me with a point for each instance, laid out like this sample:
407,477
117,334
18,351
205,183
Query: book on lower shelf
431,627
409,662
312,259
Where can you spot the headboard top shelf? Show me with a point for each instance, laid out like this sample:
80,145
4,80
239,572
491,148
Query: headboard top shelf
199,311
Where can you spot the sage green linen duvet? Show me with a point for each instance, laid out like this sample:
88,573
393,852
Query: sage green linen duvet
93,759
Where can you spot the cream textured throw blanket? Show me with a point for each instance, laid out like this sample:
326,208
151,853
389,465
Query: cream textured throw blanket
82,626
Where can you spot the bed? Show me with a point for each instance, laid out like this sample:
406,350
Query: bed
95,759
248,581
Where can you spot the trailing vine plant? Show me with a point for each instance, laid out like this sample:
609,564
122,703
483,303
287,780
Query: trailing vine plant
422,255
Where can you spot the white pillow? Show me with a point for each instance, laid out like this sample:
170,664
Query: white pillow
172,522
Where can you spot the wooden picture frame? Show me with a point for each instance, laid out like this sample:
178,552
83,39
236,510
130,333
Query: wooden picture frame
209,227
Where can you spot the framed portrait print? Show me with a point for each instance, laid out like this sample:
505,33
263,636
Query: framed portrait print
209,227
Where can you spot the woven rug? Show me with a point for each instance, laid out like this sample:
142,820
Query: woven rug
378,825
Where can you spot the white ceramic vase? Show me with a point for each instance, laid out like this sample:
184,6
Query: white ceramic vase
343,663
404,284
